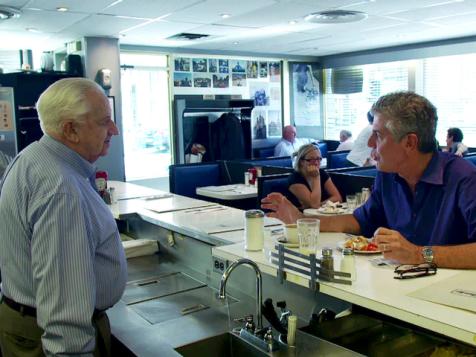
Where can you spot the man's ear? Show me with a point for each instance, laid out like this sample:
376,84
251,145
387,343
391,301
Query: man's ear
70,131
412,141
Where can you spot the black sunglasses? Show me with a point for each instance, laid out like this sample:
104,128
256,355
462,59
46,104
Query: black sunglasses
411,271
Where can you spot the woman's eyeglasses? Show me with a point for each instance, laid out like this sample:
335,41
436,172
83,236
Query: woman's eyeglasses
410,271
313,161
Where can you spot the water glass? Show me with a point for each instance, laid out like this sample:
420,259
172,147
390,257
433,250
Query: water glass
308,233
351,202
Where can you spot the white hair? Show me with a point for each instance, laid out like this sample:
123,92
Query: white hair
65,100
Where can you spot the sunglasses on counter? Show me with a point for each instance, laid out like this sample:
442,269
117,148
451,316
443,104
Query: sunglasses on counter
411,271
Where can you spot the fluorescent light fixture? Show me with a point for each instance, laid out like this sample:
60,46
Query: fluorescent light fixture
293,22
8,12
336,16
225,16
62,9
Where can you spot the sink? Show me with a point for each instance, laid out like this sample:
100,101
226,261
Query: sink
226,344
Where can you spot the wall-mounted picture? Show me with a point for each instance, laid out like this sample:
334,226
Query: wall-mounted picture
182,64
182,79
199,64
274,71
275,93
258,122
202,80
305,88
274,124
263,69
221,80
223,66
212,65
252,69
259,92
238,79
238,66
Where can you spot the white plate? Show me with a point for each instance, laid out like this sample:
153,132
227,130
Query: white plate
340,246
286,244
325,211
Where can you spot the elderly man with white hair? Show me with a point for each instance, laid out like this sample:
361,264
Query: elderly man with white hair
61,257
345,138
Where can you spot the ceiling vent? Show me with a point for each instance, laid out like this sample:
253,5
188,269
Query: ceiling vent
185,36
7,12
336,16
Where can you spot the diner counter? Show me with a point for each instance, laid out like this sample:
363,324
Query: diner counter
375,288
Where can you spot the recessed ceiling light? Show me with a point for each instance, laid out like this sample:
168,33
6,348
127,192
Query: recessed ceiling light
62,9
7,12
336,16
236,43
293,22
225,16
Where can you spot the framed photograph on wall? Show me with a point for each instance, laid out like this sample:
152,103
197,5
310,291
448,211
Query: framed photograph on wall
112,104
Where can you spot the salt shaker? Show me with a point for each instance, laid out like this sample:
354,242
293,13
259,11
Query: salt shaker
347,263
254,229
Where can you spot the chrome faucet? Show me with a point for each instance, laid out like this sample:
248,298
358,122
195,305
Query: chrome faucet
259,297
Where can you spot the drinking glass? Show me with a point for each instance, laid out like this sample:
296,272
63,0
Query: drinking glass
308,233
351,202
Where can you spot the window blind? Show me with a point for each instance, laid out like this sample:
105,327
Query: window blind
348,111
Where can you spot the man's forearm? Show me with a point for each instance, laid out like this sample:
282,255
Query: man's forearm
344,223
459,256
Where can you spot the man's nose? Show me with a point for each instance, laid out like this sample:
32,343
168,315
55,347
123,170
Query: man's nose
113,130
371,141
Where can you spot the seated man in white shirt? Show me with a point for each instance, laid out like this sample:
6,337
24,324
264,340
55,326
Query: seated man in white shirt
360,153
346,142
290,144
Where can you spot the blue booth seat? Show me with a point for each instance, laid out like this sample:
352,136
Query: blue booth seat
323,149
284,161
368,172
272,183
338,159
471,158
185,178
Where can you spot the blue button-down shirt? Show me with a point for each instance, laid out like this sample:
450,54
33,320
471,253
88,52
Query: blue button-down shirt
441,211
60,249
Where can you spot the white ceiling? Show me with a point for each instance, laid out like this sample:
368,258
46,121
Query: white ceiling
258,26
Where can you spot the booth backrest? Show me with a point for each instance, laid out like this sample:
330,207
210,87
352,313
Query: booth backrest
338,159
264,152
471,158
323,149
185,178
283,161
272,183
349,184
368,172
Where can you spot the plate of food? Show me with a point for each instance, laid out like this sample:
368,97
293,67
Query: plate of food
326,210
360,245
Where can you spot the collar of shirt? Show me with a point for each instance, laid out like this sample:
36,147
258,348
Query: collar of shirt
71,157
434,172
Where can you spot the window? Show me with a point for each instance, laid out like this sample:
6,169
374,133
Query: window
448,82
344,110
145,113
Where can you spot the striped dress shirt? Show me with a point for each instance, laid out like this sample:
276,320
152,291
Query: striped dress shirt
60,249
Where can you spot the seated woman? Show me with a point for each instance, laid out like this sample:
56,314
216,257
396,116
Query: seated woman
309,186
